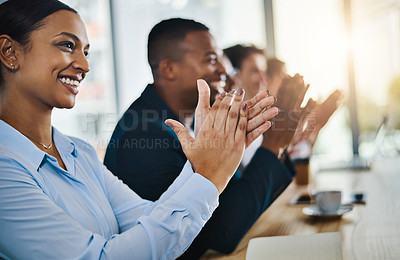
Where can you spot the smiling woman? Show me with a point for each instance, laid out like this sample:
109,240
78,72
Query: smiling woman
61,57
56,199
51,49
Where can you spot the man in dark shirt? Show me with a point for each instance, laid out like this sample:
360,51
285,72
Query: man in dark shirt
147,156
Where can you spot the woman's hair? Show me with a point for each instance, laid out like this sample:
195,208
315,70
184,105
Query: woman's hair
239,52
274,67
19,18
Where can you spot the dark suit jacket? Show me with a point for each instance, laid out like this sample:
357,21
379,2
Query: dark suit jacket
147,155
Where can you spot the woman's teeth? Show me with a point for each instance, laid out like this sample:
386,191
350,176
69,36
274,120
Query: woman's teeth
69,81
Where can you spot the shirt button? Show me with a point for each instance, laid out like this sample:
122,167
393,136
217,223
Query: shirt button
204,216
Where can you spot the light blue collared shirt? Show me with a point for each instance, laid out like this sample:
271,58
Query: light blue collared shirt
86,212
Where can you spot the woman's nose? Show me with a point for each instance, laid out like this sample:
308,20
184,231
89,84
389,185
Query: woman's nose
81,63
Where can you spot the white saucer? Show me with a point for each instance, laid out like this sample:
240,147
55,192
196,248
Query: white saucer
314,211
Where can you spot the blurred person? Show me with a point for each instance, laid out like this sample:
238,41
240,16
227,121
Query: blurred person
307,132
246,67
56,199
276,72
306,135
148,157
305,138
293,145
250,65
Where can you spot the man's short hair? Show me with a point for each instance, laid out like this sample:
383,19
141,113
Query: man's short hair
239,52
165,37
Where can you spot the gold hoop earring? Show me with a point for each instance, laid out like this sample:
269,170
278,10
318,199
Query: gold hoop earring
12,67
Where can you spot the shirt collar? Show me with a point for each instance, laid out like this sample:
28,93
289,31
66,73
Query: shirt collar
64,143
20,145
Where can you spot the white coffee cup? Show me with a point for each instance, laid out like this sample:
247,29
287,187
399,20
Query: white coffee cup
328,201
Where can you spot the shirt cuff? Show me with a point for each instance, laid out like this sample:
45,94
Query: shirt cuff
199,196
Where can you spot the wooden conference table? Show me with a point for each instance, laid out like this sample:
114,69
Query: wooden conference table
370,231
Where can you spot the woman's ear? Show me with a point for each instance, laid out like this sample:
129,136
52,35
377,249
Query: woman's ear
7,52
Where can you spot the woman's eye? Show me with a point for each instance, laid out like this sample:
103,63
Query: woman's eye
68,45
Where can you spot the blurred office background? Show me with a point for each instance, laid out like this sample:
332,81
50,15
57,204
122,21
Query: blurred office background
315,38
